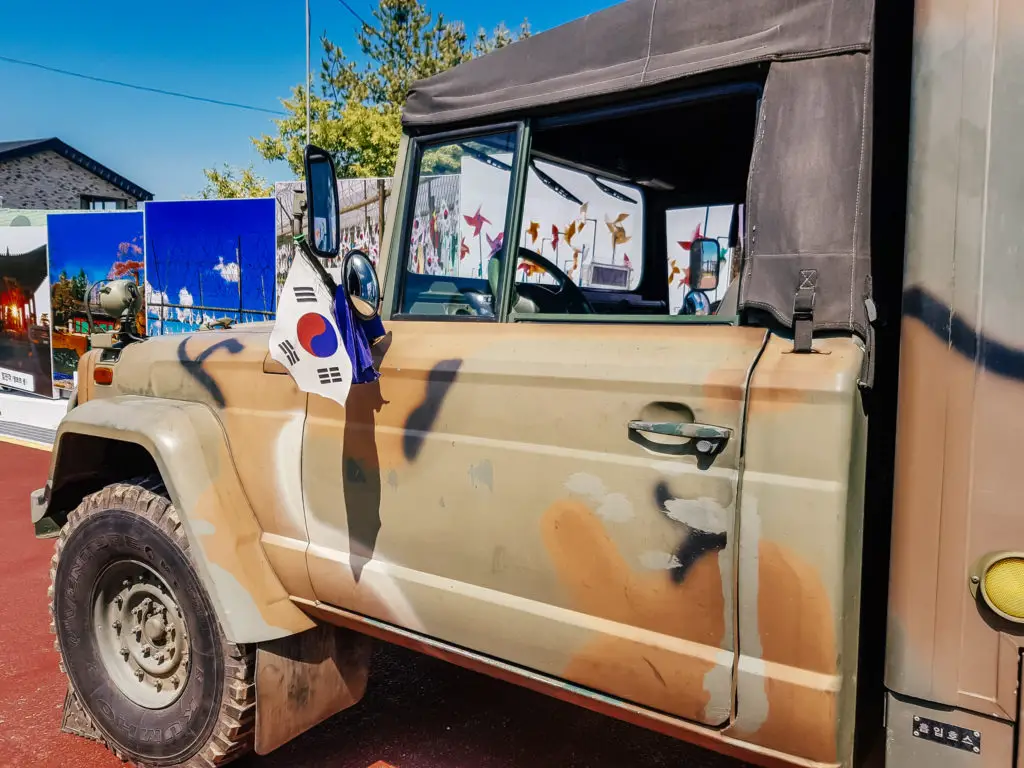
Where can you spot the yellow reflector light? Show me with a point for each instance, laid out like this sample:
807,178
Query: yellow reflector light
1004,586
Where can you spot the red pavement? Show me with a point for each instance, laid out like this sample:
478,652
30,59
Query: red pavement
417,713
31,685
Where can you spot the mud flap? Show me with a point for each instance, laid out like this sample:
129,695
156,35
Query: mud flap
303,679
75,720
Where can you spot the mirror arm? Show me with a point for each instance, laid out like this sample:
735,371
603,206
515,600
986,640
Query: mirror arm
317,266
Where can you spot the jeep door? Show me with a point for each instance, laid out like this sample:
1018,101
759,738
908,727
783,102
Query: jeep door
505,486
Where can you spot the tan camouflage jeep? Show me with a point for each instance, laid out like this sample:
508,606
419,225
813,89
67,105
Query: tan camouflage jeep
633,440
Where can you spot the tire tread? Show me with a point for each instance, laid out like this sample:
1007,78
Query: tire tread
233,734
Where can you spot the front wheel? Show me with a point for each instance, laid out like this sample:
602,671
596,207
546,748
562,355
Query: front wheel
138,638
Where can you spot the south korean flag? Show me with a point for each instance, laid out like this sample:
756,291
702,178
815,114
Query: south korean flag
305,339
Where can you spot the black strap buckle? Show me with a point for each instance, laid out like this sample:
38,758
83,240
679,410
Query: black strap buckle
803,311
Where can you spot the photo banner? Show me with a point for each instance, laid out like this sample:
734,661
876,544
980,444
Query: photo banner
25,362
206,260
85,248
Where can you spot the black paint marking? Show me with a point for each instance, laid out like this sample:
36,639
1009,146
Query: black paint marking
195,366
304,294
662,495
994,356
354,472
421,419
694,545
657,674
289,351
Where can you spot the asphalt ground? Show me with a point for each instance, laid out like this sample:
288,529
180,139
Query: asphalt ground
418,712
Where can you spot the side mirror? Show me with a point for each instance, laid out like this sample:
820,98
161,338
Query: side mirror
705,263
362,287
322,216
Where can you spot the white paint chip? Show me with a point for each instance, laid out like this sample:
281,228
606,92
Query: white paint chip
718,685
615,508
586,484
701,514
659,561
202,527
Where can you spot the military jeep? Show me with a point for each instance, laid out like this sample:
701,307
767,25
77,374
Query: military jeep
643,280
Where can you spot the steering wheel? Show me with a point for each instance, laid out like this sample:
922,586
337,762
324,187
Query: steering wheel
565,296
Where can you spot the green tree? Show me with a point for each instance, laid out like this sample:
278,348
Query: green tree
233,182
498,39
63,303
79,285
357,114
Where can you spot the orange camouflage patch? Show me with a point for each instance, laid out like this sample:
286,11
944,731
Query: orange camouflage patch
796,629
602,583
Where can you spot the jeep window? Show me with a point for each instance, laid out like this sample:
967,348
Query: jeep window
585,225
456,226
614,202
682,227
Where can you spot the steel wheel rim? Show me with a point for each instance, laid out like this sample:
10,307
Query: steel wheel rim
141,634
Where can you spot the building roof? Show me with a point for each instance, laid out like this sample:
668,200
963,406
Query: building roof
636,44
13,149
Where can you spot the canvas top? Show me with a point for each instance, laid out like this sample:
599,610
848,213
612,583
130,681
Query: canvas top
633,45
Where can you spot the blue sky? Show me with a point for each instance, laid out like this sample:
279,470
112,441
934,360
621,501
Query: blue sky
250,51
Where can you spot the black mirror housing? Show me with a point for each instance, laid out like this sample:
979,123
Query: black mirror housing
323,219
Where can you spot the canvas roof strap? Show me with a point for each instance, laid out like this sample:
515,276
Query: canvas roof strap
803,311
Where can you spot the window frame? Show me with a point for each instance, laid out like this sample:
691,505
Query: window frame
88,202
739,210
403,231
694,95
395,279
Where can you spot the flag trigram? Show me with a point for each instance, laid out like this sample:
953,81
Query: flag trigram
289,351
304,294
330,375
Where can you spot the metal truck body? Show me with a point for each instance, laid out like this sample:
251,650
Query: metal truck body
949,656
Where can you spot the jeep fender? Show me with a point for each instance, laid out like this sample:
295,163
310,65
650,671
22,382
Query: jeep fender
189,449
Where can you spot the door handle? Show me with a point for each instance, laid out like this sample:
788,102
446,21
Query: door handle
709,437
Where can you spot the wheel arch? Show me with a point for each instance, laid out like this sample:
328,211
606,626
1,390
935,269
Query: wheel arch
115,439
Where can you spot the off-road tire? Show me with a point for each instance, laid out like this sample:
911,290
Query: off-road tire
212,722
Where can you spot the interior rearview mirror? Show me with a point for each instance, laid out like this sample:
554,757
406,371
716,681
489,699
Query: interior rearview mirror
322,216
361,285
705,263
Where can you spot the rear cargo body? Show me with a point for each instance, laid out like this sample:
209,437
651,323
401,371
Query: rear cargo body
961,396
